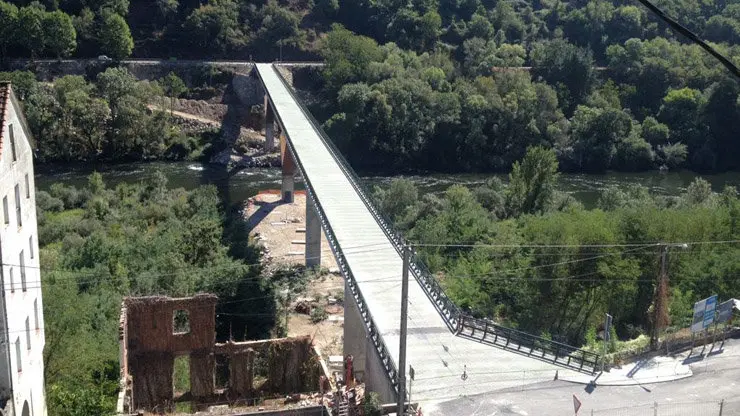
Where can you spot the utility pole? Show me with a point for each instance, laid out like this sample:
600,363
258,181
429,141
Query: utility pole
660,297
402,346
607,338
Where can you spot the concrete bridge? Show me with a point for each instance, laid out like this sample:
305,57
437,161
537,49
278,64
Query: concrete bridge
451,354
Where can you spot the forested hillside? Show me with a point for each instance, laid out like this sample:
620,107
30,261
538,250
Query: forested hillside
451,85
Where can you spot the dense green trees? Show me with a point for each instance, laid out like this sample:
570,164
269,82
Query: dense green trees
555,272
467,110
115,37
106,120
462,85
37,30
100,244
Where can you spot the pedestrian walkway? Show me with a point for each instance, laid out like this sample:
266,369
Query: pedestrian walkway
653,370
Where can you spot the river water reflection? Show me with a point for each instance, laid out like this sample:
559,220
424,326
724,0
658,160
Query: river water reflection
245,183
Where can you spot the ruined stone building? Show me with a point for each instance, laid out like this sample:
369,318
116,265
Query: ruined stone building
21,311
155,331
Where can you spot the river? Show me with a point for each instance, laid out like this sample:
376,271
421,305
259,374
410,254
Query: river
248,182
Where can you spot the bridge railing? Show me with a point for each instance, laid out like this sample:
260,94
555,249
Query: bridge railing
391,369
488,332
453,317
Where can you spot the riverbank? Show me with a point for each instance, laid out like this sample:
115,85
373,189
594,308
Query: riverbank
243,184
279,228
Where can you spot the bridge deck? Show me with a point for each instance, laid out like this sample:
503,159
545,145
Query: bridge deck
437,355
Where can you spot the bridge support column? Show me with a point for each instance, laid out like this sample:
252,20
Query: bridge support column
269,127
288,170
355,338
313,235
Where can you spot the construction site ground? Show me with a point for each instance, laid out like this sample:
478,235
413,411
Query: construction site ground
280,228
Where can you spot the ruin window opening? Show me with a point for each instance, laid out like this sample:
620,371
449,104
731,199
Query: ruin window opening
181,322
181,375
261,370
222,371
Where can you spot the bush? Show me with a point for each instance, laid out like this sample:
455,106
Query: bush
318,314
48,203
371,404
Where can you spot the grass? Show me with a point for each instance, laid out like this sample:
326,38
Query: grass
181,374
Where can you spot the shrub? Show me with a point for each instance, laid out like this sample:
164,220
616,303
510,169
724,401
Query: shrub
318,314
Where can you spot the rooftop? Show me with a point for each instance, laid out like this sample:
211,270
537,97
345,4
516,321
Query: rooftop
4,103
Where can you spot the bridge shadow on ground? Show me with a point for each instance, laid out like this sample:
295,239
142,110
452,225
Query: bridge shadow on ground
265,208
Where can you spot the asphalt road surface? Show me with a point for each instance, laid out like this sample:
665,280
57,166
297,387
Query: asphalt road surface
716,377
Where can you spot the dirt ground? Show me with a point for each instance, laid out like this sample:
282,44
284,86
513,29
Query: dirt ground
280,228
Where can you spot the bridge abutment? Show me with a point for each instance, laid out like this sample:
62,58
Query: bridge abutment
355,338
313,235
367,365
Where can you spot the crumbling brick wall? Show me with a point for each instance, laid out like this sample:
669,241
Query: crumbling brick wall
292,365
149,346
152,345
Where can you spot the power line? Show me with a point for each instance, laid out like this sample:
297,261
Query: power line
615,245
692,36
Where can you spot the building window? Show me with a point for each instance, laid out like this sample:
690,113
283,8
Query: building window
12,142
18,205
36,313
181,322
18,354
28,333
30,246
12,283
6,211
22,259
28,187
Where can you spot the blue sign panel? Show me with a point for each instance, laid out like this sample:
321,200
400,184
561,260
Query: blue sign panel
709,310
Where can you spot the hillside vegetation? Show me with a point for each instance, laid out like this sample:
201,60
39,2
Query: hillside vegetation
100,244
531,257
439,84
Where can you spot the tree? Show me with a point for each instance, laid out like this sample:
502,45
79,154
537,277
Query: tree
532,182
173,87
31,28
596,133
561,63
394,201
278,27
678,111
59,34
348,56
8,27
673,155
216,23
115,37
656,133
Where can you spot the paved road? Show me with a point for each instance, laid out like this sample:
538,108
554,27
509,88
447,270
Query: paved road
716,377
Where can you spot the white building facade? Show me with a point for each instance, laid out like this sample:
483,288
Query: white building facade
21,311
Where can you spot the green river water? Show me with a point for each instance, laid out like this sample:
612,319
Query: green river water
246,183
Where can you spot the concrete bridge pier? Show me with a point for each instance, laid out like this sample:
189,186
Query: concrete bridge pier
289,170
355,336
367,365
313,235
269,127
